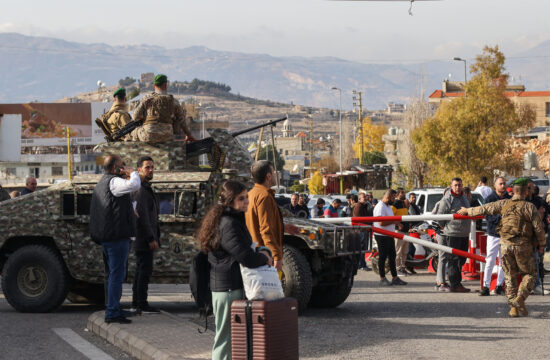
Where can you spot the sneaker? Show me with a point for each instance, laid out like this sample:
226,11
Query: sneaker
402,272
411,270
384,282
147,310
398,281
484,292
127,313
119,319
366,268
538,291
460,289
500,290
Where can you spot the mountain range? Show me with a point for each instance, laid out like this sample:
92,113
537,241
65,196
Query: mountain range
46,69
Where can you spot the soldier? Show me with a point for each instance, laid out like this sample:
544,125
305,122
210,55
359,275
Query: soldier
118,116
518,227
162,116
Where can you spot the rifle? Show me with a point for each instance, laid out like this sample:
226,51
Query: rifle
205,145
540,269
128,128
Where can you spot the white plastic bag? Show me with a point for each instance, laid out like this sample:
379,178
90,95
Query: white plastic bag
262,283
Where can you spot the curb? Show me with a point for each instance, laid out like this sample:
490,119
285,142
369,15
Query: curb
118,335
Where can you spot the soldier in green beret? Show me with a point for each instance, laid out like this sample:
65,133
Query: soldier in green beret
117,116
162,115
520,230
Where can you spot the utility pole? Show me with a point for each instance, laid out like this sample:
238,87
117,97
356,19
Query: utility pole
361,126
310,144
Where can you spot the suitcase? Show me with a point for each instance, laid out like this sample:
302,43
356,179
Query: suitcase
264,329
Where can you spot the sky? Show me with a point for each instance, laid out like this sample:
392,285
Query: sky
370,32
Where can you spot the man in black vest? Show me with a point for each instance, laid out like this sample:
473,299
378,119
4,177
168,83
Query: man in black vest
112,224
147,238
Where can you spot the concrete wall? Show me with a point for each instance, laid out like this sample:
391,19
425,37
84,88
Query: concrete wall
10,137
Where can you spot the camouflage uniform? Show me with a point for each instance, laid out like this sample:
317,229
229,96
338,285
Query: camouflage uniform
520,230
118,118
162,116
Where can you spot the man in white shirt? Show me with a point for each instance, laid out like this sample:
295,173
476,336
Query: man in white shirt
113,224
386,244
483,189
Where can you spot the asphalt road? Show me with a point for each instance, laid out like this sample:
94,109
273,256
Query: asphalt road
406,322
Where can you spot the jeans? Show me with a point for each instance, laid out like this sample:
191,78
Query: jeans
386,250
221,304
364,240
116,254
144,269
443,259
456,262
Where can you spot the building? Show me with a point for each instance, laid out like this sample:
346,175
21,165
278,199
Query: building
539,100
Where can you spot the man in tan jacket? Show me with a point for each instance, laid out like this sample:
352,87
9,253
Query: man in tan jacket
119,115
263,218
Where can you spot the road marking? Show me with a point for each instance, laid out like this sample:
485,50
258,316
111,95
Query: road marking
76,341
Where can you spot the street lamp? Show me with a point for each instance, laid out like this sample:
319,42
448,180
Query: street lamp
459,59
340,122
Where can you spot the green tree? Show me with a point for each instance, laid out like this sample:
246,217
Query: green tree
374,157
469,136
268,148
133,93
297,187
127,81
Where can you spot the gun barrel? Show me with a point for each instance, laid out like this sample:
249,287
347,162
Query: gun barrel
237,133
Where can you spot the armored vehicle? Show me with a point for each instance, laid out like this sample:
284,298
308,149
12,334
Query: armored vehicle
46,254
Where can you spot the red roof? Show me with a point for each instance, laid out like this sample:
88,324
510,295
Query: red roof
438,94
301,134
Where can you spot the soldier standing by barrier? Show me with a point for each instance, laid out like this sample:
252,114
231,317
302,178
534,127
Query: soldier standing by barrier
518,227
162,116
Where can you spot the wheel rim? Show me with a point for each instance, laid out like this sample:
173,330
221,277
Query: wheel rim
32,280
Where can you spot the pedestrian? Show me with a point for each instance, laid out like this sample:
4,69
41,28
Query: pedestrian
401,246
363,209
118,115
348,208
112,224
223,235
520,230
30,185
332,210
162,115
386,244
455,234
483,189
317,210
302,201
263,217
4,195
493,241
147,237
295,208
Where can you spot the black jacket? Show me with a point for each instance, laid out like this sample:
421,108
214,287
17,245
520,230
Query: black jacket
235,247
494,220
111,218
147,207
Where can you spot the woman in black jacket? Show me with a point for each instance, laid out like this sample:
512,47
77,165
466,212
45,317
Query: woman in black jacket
224,236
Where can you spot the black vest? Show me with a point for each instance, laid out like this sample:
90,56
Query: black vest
111,218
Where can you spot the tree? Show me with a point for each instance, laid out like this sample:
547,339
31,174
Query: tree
268,148
297,187
372,138
374,157
468,136
416,170
315,184
133,93
127,81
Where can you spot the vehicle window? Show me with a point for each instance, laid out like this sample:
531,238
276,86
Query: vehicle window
166,203
83,203
477,200
68,204
541,182
432,200
187,204
420,202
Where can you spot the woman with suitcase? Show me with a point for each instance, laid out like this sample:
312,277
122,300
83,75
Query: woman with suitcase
224,236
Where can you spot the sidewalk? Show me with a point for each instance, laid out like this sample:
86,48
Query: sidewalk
155,336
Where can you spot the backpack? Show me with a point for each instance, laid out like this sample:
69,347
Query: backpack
199,282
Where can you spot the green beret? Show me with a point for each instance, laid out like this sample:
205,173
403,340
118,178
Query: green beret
120,91
161,79
521,182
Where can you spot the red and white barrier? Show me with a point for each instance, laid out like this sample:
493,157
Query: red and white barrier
428,244
402,218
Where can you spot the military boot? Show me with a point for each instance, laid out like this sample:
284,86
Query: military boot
513,312
519,302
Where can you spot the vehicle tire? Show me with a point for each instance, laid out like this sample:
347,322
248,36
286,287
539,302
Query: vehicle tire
87,294
35,279
296,278
333,295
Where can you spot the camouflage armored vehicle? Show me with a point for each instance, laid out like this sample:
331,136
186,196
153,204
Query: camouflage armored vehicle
46,254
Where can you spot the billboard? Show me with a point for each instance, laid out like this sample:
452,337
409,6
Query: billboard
44,124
